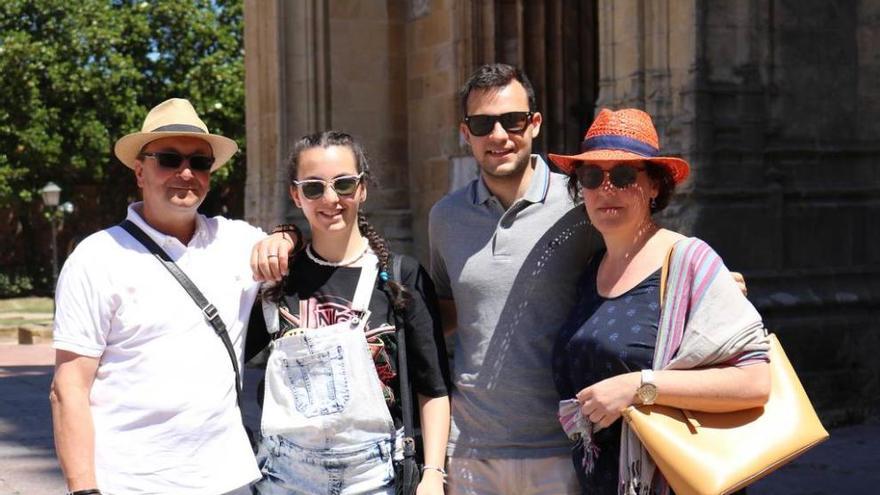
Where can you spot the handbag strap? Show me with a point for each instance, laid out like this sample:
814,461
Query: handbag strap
409,444
209,311
664,274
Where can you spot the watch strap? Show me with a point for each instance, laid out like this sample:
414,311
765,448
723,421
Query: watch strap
648,377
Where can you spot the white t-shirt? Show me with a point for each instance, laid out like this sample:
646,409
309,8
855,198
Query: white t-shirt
163,400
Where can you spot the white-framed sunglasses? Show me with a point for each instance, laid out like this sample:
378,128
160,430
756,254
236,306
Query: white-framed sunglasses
345,185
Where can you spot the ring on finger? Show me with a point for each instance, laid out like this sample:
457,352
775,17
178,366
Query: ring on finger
271,255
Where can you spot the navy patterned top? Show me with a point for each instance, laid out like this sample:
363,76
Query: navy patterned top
605,337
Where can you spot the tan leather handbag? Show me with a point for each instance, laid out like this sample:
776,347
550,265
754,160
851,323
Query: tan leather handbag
718,453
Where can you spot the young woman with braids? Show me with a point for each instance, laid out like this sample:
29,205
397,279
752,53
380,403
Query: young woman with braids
331,409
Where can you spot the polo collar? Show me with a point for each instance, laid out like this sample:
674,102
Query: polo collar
538,187
135,215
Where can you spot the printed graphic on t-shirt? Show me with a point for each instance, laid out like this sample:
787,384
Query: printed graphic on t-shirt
323,310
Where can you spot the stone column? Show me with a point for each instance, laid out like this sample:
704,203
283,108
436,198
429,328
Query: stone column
264,75
434,73
315,65
648,59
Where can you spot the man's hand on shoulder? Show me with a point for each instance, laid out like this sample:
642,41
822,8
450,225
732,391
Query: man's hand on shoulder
740,282
269,257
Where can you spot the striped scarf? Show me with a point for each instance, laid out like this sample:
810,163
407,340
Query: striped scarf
705,321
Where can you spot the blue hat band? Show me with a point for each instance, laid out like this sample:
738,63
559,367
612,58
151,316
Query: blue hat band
621,143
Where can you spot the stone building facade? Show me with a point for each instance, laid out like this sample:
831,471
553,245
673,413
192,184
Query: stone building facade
774,102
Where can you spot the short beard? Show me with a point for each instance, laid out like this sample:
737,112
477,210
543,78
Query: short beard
517,171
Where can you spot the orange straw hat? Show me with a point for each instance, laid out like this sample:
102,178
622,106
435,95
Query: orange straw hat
172,118
626,135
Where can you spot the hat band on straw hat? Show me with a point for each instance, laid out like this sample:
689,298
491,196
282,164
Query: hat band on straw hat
179,128
622,143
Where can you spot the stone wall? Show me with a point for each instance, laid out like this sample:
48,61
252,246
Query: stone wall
775,105
265,196
318,65
389,72
434,73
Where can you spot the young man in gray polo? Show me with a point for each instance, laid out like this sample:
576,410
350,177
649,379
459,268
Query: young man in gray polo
506,252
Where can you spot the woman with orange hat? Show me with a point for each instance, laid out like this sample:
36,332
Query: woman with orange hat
702,347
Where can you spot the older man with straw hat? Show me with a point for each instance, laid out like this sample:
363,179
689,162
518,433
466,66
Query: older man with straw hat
144,398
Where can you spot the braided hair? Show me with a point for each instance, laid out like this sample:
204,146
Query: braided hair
397,293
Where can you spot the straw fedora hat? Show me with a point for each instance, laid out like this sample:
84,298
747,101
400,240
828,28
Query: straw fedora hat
626,135
171,118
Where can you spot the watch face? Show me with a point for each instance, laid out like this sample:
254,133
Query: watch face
647,393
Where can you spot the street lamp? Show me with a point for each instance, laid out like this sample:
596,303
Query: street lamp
51,196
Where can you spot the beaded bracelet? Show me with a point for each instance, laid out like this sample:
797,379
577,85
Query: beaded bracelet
286,228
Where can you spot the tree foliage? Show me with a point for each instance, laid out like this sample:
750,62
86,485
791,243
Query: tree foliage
76,76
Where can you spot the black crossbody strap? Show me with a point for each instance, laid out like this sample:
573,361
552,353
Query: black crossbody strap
208,310
409,445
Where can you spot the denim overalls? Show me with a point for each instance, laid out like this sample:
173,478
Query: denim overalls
325,425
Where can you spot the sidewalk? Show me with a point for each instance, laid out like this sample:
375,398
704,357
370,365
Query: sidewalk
28,465
846,463
27,453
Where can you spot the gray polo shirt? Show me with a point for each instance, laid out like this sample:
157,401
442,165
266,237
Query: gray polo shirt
513,277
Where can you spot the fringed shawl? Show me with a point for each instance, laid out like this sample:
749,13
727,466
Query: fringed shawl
705,321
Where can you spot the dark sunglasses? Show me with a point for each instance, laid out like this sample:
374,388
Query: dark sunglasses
621,176
481,125
171,159
343,186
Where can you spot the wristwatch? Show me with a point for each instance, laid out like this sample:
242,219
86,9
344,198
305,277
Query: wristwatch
647,391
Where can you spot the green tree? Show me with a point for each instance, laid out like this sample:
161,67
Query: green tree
75,76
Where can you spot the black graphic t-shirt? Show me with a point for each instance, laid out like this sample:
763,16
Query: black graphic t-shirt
317,296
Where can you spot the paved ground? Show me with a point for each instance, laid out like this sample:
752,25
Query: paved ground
13,315
845,464
27,456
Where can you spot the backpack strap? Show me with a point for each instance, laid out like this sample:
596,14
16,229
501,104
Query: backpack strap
409,444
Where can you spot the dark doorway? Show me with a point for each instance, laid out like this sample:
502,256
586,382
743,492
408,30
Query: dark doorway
556,43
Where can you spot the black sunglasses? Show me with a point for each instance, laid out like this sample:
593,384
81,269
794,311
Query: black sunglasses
343,186
481,125
172,159
621,176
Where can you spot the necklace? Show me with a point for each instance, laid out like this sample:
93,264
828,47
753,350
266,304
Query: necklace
314,257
